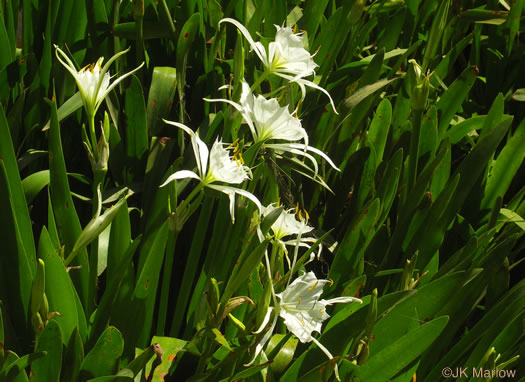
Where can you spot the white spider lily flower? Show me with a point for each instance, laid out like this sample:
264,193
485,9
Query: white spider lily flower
286,57
93,80
215,165
266,119
269,121
301,307
302,310
287,225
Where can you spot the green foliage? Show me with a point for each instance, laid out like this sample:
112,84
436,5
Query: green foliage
107,276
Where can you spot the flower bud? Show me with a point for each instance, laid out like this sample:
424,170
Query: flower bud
420,86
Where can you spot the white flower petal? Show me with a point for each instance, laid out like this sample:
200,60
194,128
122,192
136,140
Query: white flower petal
263,341
301,324
302,83
257,47
316,151
301,308
288,55
224,168
231,191
273,121
250,196
239,108
307,287
265,321
342,300
286,224
182,174
203,153
287,147
329,355
109,88
200,150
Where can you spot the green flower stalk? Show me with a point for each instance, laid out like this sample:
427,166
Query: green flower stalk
418,101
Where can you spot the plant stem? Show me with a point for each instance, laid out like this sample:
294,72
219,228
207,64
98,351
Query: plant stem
268,270
190,197
414,150
259,80
93,136
166,280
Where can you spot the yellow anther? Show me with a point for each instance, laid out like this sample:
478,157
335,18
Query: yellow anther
297,208
306,214
331,282
233,144
298,299
91,67
299,216
294,28
237,156
313,286
88,66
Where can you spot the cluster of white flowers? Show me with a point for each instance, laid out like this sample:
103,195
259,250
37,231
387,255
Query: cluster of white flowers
273,127
299,304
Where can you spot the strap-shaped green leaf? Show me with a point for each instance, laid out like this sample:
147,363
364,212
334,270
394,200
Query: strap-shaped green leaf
48,368
398,355
68,224
103,359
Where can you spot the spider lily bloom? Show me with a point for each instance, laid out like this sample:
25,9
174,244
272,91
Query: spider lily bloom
287,225
269,121
286,57
93,80
303,311
216,165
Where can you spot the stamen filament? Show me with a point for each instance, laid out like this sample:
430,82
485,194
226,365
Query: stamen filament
313,286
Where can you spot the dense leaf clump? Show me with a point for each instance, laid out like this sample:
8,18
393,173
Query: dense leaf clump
261,190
